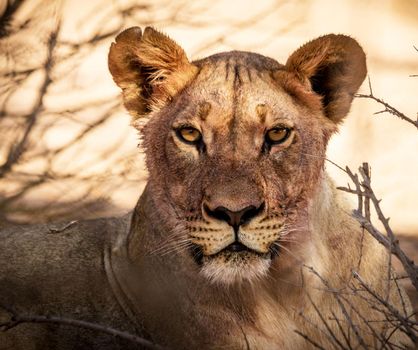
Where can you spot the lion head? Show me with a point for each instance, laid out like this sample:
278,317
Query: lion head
235,142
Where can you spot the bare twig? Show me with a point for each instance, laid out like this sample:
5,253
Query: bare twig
389,239
331,334
366,171
315,344
393,311
17,319
336,294
388,108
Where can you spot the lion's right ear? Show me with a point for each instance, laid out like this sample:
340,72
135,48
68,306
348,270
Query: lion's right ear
150,68
333,67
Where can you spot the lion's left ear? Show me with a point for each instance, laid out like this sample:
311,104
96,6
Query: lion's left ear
333,66
150,68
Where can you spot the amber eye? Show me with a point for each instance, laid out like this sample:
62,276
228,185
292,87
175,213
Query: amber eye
189,134
277,135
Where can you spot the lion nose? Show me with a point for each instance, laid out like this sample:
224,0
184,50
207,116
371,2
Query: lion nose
234,218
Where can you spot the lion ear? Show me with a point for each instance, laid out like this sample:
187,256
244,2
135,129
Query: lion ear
333,66
150,68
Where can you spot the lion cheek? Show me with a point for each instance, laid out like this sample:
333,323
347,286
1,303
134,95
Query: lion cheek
177,194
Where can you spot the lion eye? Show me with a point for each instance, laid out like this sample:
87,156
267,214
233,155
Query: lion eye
277,135
189,134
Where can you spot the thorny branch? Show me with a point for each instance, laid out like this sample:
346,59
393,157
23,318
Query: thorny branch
397,319
16,319
392,320
309,340
364,193
387,107
337,295
408,324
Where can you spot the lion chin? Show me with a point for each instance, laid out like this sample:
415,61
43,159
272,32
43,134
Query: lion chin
228,267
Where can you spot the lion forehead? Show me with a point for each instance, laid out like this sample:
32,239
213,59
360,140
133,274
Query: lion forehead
227,73
238,85
249,59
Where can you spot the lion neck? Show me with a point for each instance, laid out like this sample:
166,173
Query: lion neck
335,234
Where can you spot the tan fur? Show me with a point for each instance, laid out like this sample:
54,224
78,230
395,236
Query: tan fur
173,271
140,64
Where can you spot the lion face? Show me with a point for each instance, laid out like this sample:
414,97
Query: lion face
234,150
235,144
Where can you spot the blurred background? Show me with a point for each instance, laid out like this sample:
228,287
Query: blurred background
67,149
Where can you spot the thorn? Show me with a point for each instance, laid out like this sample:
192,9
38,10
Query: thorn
370,85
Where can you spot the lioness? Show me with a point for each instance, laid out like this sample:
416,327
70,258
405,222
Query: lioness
239,239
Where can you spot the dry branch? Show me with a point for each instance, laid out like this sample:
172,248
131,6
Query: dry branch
16,319
406,323
387,107
364,193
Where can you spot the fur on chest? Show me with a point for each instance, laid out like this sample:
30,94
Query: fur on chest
273,327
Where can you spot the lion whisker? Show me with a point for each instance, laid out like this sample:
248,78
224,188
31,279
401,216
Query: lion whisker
175,249
275,278
293,241
287,251
171,246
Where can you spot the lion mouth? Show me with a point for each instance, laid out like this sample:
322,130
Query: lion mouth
235,263
236,248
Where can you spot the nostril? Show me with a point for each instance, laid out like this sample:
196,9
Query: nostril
234,218
220,213
250,212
